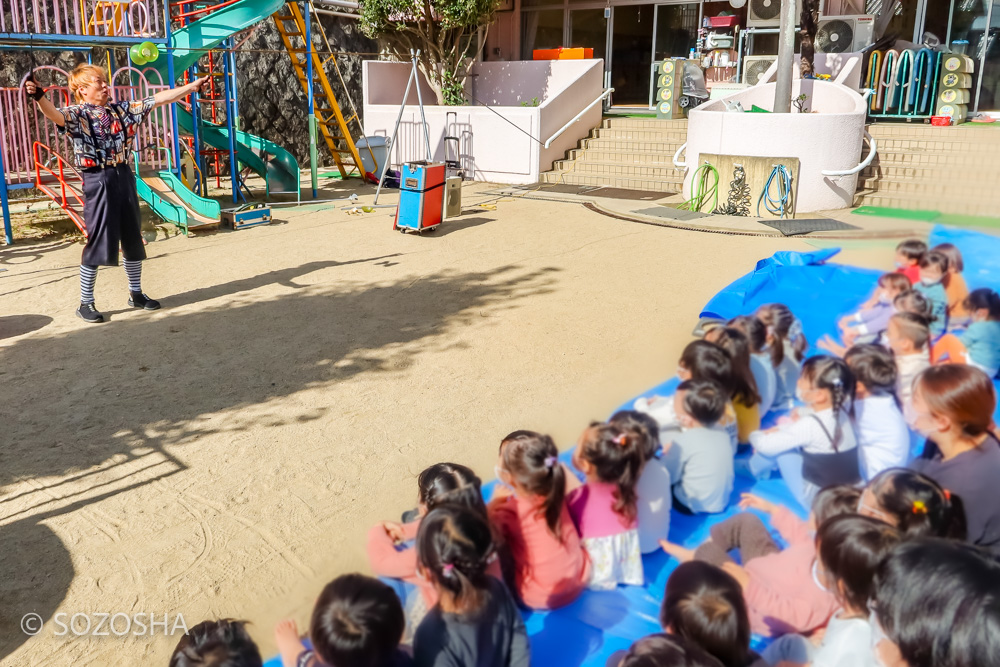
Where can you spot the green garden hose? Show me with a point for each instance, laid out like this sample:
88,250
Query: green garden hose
701,190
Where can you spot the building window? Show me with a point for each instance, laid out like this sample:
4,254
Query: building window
541,29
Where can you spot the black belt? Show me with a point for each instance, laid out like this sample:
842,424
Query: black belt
97,170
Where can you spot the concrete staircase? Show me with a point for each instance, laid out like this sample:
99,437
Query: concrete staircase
949,169
627,153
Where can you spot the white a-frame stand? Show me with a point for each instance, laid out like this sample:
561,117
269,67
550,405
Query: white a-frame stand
412,81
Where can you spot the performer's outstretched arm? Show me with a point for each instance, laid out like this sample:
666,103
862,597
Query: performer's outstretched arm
174,94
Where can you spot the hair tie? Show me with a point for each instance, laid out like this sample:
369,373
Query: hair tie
919,507
947,494
621,440
447,567
837,382
795,330
550,462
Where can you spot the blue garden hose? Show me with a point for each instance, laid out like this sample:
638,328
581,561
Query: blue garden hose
777,205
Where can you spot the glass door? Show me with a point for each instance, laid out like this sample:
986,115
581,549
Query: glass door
588,29
674,35
541,29
975,30
631,36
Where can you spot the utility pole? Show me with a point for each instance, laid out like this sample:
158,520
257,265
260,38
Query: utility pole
786,54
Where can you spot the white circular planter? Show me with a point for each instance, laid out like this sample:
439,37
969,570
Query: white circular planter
829,140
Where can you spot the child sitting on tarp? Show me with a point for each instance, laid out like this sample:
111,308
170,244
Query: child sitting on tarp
788,346
701,361
816,447
883,437
781,592
699,456
357,620
654,495
870,321
908,256
933,269
955,286
979,345
605,509
745,398
909,338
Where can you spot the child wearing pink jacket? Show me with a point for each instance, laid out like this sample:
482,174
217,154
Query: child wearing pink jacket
549,565
782,589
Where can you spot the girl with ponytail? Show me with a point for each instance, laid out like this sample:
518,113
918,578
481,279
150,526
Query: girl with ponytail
787,344
476,621
915,504
605,508
550,567
818,447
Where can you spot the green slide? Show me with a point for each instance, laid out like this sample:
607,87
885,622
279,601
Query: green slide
172,201
281,173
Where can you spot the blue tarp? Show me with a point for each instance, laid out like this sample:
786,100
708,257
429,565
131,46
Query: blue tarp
588,631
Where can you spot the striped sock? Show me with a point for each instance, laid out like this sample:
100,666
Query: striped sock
133,269
88,276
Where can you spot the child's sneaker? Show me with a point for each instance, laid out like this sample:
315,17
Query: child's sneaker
140,300
88,313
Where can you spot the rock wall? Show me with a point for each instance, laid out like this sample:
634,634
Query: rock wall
272,102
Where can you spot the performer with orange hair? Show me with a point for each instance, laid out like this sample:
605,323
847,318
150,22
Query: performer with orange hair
102,132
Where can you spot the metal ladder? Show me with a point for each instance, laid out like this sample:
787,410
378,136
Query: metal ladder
329,118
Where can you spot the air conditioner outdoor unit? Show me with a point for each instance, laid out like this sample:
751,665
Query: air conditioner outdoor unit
767,13
754,68
844,34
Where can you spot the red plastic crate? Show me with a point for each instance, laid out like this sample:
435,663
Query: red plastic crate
723,21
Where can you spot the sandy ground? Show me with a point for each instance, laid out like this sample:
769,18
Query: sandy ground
225,456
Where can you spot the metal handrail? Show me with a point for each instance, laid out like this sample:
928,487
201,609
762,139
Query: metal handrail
677,155
873,150
200,10
61,178
607,91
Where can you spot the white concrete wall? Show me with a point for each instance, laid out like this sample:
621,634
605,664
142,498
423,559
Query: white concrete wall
500,145
828,140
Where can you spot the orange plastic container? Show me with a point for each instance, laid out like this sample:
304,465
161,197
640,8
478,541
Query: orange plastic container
562,53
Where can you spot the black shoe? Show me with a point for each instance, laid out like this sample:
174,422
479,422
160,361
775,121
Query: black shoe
140,300
88,313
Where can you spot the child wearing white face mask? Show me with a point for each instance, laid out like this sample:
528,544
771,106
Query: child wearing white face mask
869,323
933,269
818,448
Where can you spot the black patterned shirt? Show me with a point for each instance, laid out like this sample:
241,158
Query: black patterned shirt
102,136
